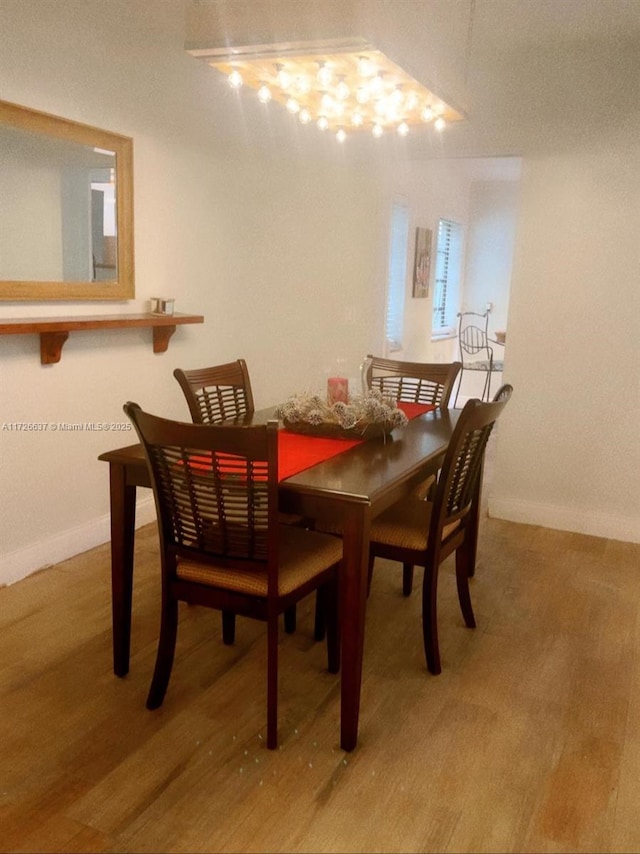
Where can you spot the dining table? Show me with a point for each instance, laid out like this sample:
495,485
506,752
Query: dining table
350,488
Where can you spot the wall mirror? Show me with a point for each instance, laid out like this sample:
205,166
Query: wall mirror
66,209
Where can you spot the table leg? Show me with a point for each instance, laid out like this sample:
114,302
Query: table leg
123,517
353,603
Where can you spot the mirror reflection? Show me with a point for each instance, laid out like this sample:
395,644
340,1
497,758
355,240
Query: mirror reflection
65,217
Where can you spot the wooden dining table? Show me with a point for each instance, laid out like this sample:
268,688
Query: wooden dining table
352,488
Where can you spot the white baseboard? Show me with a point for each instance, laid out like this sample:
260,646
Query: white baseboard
23,562
566,519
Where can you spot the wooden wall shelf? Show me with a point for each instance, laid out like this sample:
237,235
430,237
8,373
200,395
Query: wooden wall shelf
54,331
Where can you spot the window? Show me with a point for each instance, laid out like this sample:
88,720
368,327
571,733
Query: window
396,283
446,298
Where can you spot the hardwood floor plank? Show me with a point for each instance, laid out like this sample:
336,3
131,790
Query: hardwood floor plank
529,740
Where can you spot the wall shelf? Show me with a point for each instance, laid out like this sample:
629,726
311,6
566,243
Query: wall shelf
54,331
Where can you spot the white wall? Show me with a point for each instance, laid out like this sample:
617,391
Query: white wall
286,258
282,258
493,210
569,450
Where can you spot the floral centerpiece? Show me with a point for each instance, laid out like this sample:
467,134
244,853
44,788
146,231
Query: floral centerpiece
362,416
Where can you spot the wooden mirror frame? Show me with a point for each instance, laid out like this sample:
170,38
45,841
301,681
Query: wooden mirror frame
123,287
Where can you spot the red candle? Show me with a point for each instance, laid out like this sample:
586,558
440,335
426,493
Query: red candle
337,389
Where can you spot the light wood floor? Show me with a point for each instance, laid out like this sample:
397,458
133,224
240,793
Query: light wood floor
529,740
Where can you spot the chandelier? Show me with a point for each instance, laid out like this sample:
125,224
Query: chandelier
340,87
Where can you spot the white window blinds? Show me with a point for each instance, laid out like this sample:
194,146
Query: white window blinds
448,272
397,275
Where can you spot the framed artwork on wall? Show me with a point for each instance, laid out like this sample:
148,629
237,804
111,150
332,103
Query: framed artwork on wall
422,263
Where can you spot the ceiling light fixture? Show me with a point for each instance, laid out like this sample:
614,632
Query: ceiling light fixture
264,94
334,83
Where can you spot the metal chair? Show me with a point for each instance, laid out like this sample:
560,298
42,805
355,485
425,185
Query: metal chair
476,352
425,533
222,546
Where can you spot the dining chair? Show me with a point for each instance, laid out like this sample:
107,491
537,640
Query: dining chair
411,382
216,394
425,533
222,545
429,383
476,352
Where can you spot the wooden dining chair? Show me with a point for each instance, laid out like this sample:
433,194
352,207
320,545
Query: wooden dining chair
429,383
222,546
412,382
425,533
217,393
221,393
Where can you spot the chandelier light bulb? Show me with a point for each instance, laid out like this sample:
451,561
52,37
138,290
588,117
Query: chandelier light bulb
324,74
323,123
235,79
427,114
362,94
377,131
439,123
303,85
342,90
396,96
264,94
284,78
341,135
304,116
327,102
356,119
403,129
293,106
411,101
365,66
376,83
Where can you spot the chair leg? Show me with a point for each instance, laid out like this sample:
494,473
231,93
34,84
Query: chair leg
464,595
487,387
319,627
331,603
458,389
228,627
407,579
372,560
166,651
290,620
272,681
430,620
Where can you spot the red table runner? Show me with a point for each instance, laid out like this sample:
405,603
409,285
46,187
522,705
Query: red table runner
299,451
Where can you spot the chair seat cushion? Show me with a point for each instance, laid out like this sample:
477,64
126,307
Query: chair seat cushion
484,365
406,525
303,554
422,489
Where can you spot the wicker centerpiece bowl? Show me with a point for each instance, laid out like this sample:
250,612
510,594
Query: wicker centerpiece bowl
362,417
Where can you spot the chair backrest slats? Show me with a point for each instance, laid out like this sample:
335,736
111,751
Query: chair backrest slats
412,382
473,338
218,393
216,490
463,462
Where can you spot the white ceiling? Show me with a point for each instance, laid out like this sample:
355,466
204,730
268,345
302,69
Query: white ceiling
532,76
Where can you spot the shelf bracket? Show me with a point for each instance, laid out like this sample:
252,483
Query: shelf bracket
51,346
161,336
